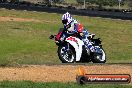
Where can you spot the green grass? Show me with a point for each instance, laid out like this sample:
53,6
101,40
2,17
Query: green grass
71,1
28,43
29,84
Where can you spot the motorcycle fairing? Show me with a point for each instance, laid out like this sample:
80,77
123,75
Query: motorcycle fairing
77,44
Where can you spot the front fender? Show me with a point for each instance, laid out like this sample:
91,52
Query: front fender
77,44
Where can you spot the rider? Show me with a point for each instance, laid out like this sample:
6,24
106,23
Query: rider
72,26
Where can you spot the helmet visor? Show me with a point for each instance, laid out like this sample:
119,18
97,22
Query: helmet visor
64,21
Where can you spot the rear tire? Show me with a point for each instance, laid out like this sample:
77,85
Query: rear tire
97,58
66,57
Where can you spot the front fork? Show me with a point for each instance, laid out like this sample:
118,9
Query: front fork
67,47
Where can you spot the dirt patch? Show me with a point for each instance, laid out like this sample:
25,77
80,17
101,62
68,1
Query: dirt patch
18,19
24,20
58,73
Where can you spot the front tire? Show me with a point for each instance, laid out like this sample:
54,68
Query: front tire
66,56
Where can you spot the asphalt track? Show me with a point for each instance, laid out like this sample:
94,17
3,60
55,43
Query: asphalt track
92,13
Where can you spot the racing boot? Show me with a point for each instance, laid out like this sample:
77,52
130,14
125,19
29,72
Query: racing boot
89,45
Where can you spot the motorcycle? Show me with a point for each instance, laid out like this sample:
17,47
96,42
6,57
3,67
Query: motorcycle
72,49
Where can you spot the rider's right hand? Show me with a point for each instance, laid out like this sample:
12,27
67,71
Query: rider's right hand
51,36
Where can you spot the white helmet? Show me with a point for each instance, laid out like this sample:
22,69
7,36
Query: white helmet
66,18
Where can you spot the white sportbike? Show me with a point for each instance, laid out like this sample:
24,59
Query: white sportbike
72,49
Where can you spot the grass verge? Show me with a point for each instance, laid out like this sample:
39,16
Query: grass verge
29,84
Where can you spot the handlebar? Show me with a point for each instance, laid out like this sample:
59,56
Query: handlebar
52,36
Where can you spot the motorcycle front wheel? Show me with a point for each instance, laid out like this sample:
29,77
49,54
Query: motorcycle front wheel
66,56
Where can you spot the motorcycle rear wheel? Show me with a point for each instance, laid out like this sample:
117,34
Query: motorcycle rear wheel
98,58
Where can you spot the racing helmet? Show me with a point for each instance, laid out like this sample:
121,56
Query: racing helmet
66,19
